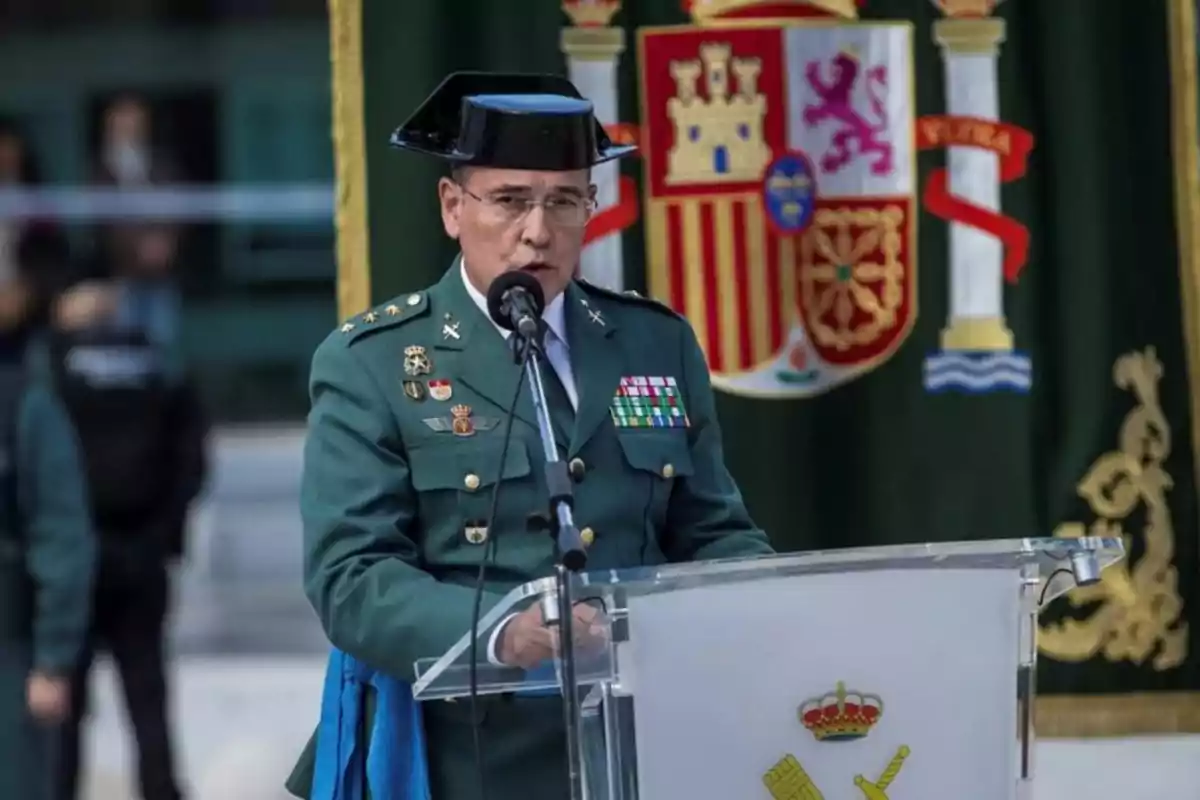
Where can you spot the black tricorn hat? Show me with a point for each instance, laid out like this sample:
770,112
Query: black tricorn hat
509,121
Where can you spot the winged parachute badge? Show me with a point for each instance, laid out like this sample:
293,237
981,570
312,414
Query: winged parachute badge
781,213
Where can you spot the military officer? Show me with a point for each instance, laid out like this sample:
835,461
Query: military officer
406,429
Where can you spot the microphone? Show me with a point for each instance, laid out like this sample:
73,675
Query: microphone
515,302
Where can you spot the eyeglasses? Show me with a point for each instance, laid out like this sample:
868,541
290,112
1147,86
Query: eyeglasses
561,210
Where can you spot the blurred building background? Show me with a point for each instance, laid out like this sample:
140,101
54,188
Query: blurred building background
239,95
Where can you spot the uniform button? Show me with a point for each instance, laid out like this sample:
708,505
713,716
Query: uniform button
588,536
668,471
577,468
471,481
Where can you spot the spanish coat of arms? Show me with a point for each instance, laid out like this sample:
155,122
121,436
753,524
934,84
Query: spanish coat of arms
781,201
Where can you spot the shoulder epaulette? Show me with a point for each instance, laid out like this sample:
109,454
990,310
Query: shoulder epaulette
629,296
392,313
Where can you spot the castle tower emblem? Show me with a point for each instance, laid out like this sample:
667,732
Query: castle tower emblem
718,135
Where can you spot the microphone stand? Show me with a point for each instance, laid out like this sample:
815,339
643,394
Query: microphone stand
571,554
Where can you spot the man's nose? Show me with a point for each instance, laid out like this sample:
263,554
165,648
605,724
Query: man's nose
536,231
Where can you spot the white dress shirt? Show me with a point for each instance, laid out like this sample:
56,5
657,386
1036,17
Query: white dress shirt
558,353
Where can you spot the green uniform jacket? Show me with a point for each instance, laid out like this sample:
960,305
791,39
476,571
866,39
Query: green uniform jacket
389,492
45,581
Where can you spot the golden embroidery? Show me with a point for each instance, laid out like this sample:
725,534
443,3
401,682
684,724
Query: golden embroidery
852,275
1135,610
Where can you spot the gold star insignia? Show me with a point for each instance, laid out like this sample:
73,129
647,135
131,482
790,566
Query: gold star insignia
349,326
392,310
370,316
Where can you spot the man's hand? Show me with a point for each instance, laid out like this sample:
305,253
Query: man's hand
85,305
526,641
49,698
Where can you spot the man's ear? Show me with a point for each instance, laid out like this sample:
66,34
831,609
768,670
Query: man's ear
450,199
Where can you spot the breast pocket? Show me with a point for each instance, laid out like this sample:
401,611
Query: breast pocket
454,484
658,458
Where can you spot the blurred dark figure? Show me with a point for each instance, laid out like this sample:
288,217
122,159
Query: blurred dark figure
114,354
35,249
47,550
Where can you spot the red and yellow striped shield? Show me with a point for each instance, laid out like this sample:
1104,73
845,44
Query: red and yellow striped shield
780,183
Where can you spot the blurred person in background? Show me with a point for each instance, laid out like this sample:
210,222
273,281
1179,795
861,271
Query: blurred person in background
47,551
126,154
34,247
114,354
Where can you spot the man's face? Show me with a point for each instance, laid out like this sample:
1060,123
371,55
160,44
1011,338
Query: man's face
145,251
126,121
516,219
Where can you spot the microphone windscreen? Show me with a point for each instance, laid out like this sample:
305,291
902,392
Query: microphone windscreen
502,285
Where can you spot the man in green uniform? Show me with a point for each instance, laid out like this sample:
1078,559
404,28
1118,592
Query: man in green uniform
407,427
46,557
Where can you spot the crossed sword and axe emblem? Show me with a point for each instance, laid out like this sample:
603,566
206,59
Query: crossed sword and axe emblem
787,780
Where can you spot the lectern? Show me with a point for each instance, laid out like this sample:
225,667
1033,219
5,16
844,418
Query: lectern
881,673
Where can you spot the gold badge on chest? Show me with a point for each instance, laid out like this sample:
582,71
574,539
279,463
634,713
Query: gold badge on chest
416,361
462,425
415,390
462,422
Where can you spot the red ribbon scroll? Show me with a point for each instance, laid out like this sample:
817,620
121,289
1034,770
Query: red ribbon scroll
624,212
618,216
1012,145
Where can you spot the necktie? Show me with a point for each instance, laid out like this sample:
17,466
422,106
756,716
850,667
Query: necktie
558,401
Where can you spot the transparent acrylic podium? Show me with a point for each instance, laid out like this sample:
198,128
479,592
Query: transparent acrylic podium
879,673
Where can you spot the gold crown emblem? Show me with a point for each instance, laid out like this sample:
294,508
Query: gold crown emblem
967,8
703,11
841,716
591,13
414,350
461,411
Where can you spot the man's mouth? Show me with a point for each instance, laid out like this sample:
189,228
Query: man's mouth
536,268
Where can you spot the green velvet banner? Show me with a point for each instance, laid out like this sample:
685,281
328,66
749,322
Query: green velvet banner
990,336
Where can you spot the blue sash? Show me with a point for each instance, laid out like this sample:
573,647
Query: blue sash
395,766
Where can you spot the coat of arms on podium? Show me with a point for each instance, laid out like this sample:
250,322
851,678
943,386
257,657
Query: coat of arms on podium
780,180
840,716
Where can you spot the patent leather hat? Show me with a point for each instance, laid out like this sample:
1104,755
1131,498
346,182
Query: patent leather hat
509,121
